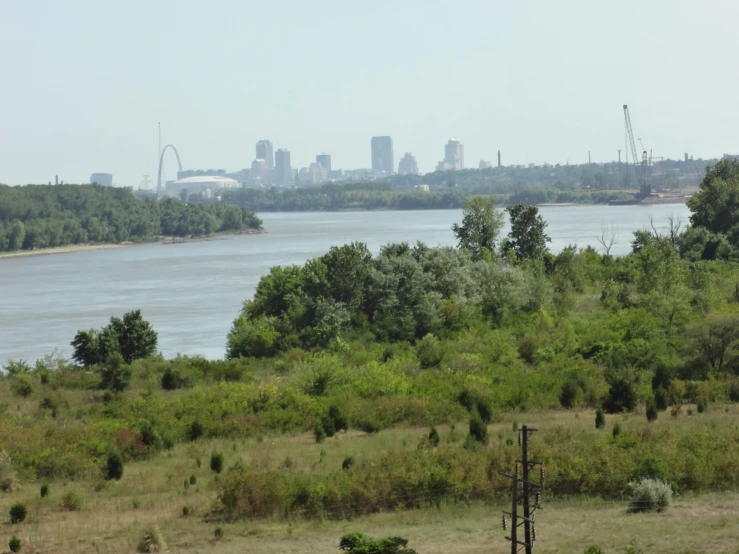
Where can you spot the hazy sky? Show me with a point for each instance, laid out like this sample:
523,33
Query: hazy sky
83,83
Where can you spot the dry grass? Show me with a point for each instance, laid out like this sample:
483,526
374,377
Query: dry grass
115,514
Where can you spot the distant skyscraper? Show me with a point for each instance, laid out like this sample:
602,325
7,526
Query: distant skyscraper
258,169
283,170
686,156
499,159
324,160
454,153
105,179
266,152
382,154
408,165
484,164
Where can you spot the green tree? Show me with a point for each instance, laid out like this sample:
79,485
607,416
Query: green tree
481,224
136,338
16,235
86,348
715,337
253,338
716,205
115,376
358,543
527,237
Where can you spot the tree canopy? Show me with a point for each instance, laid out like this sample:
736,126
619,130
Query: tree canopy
481,224
527,237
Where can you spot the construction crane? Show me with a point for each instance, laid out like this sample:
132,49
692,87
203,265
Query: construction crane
640,169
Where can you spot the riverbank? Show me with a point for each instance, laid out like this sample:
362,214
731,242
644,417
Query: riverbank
85,247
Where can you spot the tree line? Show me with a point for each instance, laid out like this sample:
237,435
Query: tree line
41,216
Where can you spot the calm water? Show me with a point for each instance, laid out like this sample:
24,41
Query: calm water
191,292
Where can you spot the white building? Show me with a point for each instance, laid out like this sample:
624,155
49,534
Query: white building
205,184
454,153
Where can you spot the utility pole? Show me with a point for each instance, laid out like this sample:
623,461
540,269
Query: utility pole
530,489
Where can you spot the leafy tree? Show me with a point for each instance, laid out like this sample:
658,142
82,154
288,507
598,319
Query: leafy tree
716,205
115,376
135,336
86,349
16,235
481,224
114,466
715,337
526,237
600,418
621,395
255,338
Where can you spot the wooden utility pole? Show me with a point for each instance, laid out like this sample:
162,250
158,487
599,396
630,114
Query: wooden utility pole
529,490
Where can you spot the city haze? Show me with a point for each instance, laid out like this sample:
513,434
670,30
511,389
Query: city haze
87,82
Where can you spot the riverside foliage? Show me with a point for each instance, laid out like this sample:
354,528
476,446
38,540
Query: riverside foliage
41,216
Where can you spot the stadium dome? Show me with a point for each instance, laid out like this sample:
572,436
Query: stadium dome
201,184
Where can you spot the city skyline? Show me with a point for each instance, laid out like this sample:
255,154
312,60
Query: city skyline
487,89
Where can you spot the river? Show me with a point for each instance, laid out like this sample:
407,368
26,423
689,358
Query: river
192,291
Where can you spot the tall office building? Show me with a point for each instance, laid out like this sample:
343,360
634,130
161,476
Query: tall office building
454,154
382,154
408,165
324,160
283,170
266,152
105,179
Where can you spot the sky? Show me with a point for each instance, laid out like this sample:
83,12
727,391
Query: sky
85,83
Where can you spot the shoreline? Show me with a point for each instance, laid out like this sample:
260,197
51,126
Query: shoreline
71,248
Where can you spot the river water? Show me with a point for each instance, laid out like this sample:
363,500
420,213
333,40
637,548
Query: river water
191,292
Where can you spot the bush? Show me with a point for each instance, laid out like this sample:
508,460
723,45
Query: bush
319,432
734,392
196,430
600,418
621,395
434,436
14,544
358,543
649,467
702,405
18,512
429,351
114,466
115,376
660,399
71,502
478,428
218,533
8,476
473,401
216,462
193,480
616,431
185,511
568,394
593,550
651,410
172,380
369,424
44,490
152,541
347,463
650,495
21,387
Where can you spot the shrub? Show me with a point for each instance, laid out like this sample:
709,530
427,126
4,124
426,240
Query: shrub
193,480
600,418
216,462
347,463
115,376
621,395
478,428
593,550
71,502
734,392
660,399
359,543
196,431
649,467
152,541
650,495
369,424
18,512
319,432
218,533
568,394
173,380
44,490
14,544
114,466
651,410
473,401
185,511
434,436
616,431
429,351
8,476
702,405
21,387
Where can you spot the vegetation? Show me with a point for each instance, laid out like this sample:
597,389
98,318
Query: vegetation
18,512
43,216
650,495
359,543
14,544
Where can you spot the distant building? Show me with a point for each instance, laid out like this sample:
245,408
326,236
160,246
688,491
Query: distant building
258,170
324,160
454,153
421,188
484,164
205,184
686,156
408,165
266,152
105,179
283,170
382,154
443,165
200,173
312,175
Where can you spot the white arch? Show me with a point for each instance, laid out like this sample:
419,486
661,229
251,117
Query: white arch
161,158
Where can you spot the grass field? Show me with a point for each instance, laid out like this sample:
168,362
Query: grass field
114,514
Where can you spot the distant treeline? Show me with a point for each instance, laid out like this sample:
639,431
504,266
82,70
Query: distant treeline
382,196
42,216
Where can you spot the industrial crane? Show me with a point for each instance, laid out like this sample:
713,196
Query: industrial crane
639,168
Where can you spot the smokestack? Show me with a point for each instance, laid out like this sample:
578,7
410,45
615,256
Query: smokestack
499,159
56,179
